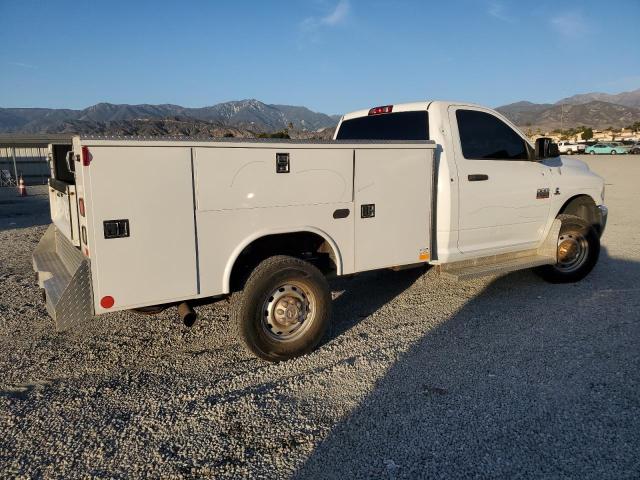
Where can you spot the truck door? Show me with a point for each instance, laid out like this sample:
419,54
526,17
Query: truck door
503,194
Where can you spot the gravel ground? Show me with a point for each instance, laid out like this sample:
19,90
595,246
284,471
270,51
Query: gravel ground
498,377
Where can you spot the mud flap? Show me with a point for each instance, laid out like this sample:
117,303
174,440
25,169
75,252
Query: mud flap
65,275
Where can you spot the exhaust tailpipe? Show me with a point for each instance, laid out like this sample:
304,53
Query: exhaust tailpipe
187,314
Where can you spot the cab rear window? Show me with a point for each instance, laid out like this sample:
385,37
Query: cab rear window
388,126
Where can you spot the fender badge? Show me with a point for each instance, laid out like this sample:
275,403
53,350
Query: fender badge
542,193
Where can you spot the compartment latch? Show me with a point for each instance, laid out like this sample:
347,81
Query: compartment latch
368,210
116,228
282,163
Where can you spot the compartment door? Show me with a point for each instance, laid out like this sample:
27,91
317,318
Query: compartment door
146,252
64,209
393,189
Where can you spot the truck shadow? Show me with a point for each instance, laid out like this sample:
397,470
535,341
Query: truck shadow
526,379
362,295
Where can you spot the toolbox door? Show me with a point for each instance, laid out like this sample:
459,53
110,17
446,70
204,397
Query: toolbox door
142,244
393,193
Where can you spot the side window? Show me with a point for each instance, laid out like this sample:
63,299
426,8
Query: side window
485,137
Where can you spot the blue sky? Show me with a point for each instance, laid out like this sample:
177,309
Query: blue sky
330,55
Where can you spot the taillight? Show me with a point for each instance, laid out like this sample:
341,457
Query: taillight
81,206
86,156
381,110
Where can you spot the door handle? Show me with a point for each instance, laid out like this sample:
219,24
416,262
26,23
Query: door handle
478,177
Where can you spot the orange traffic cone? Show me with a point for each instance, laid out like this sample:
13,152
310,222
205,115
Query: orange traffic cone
22,190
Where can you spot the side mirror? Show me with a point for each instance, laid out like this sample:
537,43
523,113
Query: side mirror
545,148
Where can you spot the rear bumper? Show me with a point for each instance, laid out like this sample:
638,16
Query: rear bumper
603,214
65,275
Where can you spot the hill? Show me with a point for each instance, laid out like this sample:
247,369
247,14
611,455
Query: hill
595,114
250,115
628,99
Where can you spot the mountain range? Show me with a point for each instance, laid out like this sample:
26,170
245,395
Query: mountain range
596,110
245,118
251,115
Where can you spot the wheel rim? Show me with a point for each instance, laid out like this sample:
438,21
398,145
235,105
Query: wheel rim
288,312
573,249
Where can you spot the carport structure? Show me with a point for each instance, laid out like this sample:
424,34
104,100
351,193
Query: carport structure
26,156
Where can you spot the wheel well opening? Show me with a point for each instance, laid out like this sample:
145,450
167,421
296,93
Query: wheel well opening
307,246
584,207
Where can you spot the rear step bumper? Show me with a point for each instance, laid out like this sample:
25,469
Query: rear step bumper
65,275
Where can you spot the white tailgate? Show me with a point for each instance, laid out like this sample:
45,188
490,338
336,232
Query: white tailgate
236,178
152,189
399,184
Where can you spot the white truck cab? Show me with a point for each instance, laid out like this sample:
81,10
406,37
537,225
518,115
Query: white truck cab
494,195
144,224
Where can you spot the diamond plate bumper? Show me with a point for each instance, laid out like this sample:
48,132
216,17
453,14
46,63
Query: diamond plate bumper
65,275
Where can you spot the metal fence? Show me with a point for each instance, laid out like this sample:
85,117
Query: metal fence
30,163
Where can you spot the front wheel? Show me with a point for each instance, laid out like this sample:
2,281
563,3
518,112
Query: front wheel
578,251
592,152
284,310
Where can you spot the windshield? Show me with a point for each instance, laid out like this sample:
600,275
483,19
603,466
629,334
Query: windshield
387,126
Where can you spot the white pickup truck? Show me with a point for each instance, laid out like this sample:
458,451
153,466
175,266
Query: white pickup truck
570,148
149,223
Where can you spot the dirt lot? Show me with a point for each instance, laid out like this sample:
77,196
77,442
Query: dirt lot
501,377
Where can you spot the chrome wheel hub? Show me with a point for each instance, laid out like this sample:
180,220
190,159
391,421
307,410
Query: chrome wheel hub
287,312
573,249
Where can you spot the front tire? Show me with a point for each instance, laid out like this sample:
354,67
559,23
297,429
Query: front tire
284,310
592,152
578,251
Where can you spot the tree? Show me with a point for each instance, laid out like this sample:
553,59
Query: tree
587,134
634,127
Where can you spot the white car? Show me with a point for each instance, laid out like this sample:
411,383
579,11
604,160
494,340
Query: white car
150,223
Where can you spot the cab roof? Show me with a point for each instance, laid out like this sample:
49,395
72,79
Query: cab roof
409,107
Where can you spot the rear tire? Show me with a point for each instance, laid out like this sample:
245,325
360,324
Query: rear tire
284,310
578,251
613,152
